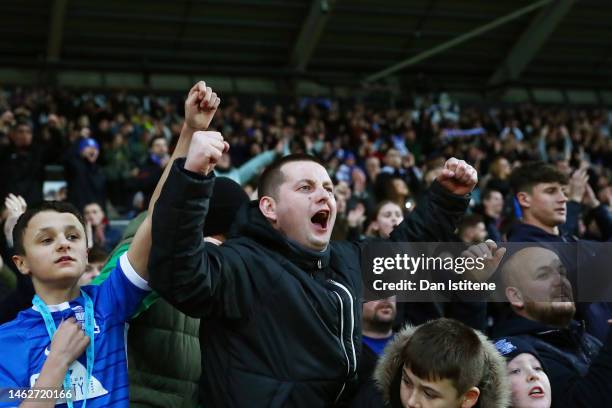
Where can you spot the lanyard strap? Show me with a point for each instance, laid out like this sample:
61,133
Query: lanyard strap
89,331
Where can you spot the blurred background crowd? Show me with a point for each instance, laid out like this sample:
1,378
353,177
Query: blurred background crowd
110,149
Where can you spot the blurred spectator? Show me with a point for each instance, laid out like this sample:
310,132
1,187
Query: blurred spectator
151,170
21,297
86,180
498,178
377,330
118,168
8,280
386,216
492,207
472,230
103,235
23,160
96,257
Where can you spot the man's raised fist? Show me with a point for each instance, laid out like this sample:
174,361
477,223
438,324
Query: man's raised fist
205,150
200,106
458,177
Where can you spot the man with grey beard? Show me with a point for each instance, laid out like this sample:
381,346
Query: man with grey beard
540,295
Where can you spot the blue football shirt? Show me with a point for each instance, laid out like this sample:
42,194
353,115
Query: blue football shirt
24,342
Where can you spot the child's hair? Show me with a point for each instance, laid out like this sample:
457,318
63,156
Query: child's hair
446,349
524,178
24,219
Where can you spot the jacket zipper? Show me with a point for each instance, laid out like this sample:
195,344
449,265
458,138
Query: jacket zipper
348,363
352,322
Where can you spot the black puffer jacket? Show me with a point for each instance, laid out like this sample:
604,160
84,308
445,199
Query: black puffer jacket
281,323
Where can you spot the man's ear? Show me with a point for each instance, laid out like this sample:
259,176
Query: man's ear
524,199
515,297
267,206
21,263
470,398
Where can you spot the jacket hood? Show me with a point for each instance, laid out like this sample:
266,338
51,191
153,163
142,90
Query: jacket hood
494,386
251,223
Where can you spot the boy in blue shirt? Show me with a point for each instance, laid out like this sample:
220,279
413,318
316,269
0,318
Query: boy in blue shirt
51,246
69,348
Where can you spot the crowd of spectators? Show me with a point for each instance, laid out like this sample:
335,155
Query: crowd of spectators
113,148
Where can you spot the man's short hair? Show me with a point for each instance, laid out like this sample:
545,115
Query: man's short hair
154,138
97,254
488,192
469,221
24,219
93,203
524,178
272,177
446,349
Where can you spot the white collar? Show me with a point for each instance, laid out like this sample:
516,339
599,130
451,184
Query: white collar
54,308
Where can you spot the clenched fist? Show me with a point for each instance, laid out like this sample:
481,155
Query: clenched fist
458,177
491,255
69,342
200,106
205,150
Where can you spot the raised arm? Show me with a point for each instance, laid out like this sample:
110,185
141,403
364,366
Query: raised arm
200,107
198,278
445,204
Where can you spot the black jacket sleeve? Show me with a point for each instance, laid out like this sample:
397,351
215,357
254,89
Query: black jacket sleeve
570,390
602,217
200,279
435,219
574,211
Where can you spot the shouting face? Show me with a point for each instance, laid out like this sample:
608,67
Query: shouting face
304,207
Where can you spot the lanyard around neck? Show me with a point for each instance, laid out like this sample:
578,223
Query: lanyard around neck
89,331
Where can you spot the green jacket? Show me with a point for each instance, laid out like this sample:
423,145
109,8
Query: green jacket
163,346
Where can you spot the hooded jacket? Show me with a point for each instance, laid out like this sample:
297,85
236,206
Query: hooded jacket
578,367
494,385
281,324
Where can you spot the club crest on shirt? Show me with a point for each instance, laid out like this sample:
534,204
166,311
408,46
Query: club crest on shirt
79,314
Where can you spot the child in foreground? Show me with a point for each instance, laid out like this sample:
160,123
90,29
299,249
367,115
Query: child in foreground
529,382
70,346
86,358
442,364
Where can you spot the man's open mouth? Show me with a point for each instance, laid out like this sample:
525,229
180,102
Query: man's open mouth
321,218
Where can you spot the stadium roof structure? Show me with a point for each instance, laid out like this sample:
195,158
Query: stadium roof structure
453,44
